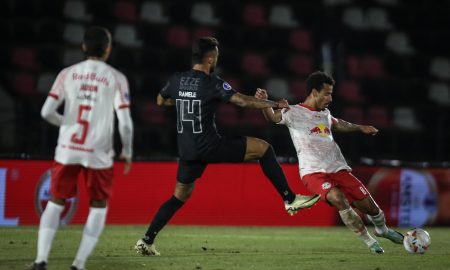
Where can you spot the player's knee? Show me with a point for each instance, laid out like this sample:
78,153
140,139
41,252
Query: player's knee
336,198
263,147
59,201
183,191
99,203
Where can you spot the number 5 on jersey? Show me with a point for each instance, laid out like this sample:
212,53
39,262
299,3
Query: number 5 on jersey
189,111
84,125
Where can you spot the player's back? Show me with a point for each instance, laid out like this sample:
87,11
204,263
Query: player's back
197,96
91,90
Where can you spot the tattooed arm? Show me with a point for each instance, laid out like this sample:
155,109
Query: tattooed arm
252,102
344,126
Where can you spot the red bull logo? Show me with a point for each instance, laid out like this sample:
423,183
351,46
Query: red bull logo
321,130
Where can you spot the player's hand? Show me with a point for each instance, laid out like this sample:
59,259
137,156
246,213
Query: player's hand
281,104
261,94
370,130
128,162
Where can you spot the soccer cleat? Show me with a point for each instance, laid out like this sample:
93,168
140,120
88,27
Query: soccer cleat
301,202
37,266
392,235
376,248
146,250
74,268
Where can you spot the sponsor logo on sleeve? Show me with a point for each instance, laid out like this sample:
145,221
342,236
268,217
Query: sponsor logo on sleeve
226,86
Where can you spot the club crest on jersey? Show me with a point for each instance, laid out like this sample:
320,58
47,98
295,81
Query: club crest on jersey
226,86
326,185
321,130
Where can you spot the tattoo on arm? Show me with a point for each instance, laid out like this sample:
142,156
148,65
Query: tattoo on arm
344,126
271,115
251,102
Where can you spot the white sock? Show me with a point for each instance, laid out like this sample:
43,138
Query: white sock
379,222
354,222
47,230
92,230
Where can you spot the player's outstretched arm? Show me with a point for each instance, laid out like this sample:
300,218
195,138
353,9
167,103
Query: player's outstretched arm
269,113
49,113
252,102
164,101
344,126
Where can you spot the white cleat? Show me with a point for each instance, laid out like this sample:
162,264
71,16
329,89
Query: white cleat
146,250
301,202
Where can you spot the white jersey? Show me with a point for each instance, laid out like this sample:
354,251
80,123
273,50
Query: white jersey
311,134
91,90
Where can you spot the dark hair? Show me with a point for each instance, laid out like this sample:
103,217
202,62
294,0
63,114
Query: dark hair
316,81
201,46
96,39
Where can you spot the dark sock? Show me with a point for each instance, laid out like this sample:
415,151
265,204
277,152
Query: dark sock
273,171
164,214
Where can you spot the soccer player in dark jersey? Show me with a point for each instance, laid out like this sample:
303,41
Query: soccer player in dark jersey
196,94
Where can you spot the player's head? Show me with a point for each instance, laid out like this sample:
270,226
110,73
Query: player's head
205,51
97,42
319,87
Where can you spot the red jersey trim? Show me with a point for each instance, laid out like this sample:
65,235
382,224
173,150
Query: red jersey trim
307,107
124,106
55,96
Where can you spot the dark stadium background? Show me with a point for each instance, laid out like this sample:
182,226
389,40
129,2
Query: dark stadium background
390,59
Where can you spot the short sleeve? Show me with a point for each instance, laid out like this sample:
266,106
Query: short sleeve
122,92
57,90
224,90
165,91
286,116
333,120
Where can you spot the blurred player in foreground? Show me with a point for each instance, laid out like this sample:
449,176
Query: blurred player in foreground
323,168
196,93
91,90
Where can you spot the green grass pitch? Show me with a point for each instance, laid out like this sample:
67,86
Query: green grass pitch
223,248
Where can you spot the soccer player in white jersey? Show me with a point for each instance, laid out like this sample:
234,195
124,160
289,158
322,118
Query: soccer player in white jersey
323,168
91,90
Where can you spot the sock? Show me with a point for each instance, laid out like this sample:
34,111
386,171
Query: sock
164,214
379,222
47,230
92,231
273,171
354,222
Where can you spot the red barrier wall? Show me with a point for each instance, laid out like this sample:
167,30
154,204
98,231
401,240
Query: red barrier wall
227,194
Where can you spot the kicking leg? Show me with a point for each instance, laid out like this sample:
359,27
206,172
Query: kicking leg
369,207
258,149
351,219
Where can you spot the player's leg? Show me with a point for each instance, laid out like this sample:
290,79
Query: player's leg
99,185
351,219
374,213
187,173
63,185
257,149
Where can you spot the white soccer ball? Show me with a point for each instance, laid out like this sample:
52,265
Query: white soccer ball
417,241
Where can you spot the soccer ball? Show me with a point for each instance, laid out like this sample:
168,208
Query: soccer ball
417,241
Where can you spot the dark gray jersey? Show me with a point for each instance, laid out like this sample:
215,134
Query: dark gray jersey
197,96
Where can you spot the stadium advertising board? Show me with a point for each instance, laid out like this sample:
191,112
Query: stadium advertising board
227,194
